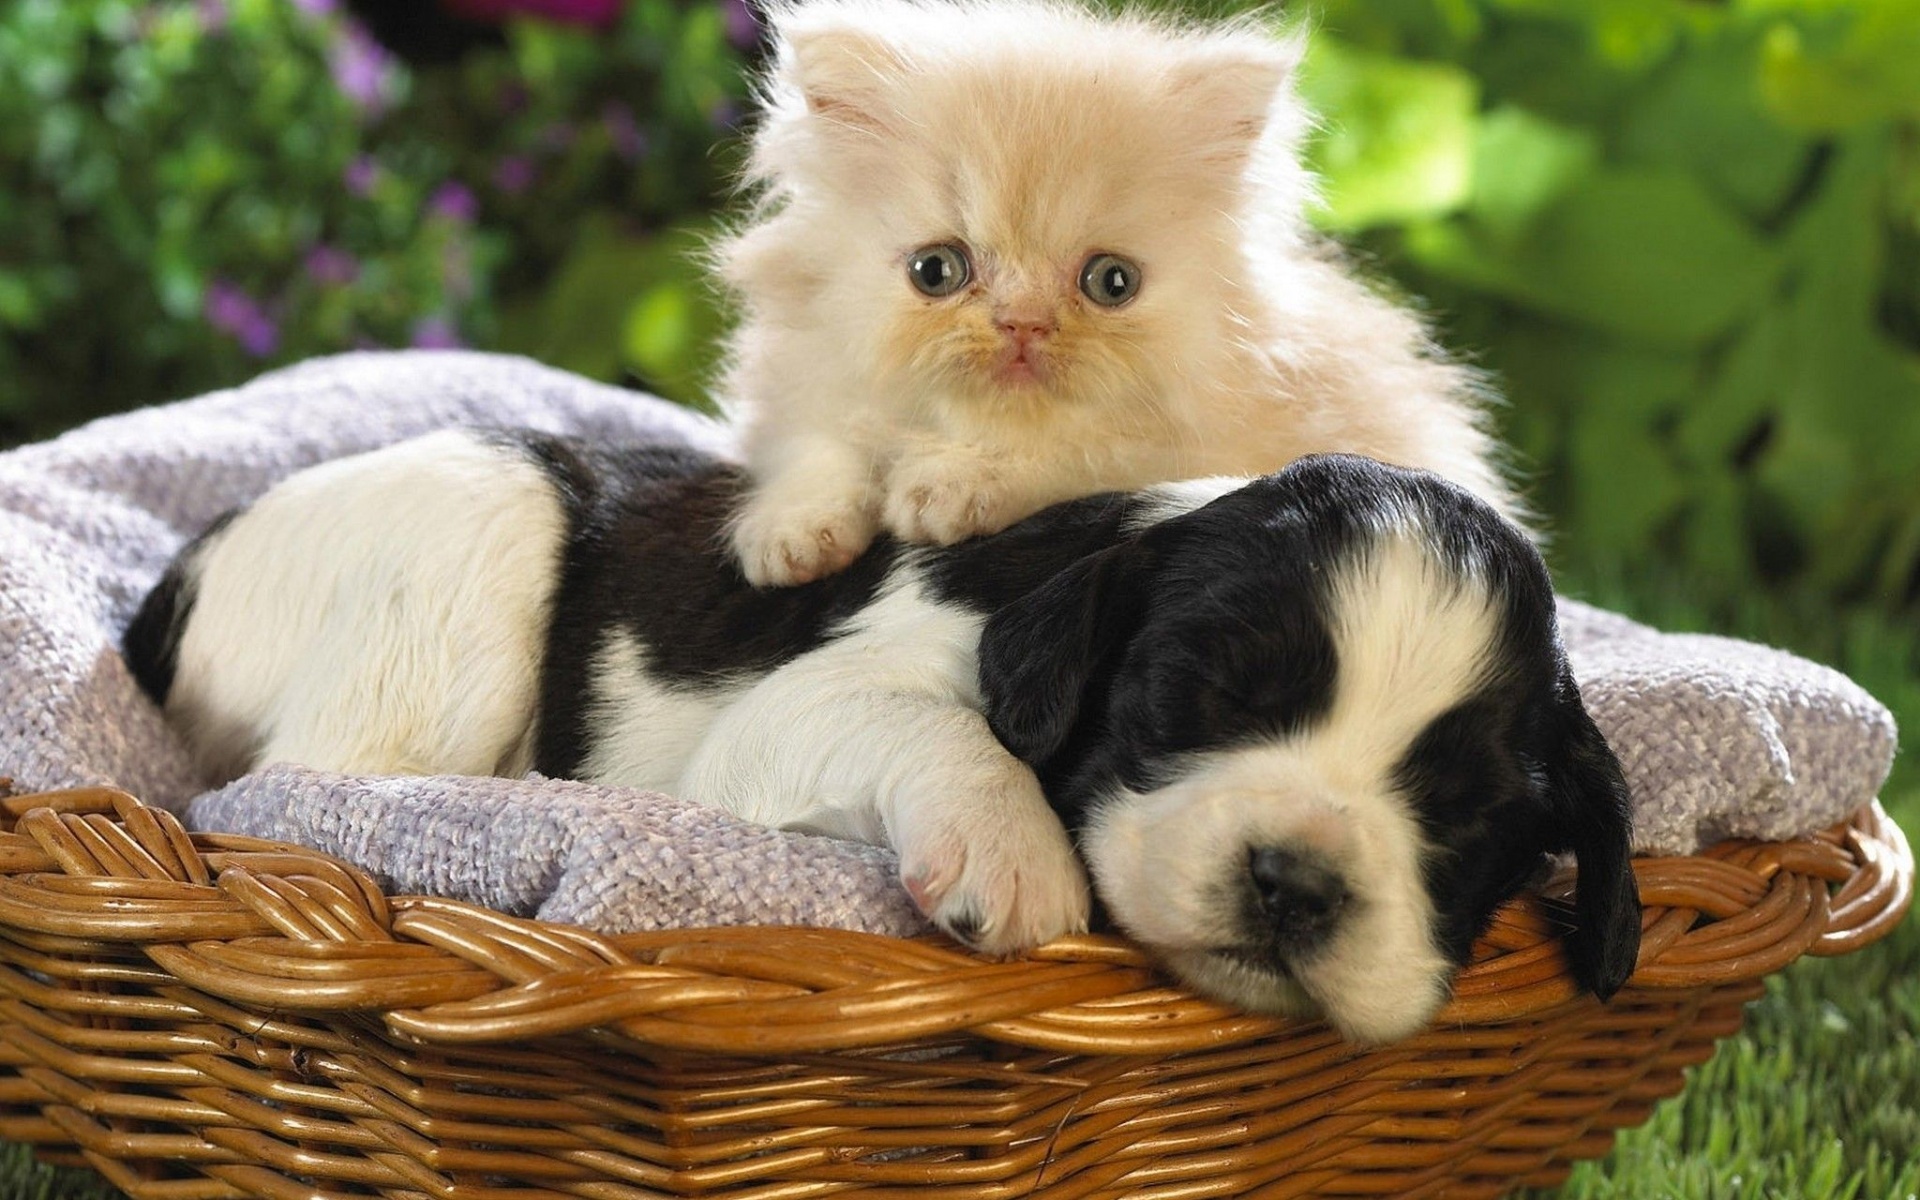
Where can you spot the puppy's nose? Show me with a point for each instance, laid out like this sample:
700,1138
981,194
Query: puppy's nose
1302,898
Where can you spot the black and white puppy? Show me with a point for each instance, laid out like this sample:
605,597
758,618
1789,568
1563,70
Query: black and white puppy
1308,730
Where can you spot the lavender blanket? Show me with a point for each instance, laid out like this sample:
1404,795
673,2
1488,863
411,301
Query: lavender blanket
1718,738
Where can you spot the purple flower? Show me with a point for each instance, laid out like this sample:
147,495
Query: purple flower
623,131
743,24
260,337
213,14
362,69
233,312
454,201
226,306
315,8
331,266
513,174
724,115
361,175
436,333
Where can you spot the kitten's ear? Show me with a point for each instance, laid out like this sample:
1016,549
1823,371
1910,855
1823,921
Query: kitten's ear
843,71
1237,89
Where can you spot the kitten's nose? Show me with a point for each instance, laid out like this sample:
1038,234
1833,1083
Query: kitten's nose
1025,326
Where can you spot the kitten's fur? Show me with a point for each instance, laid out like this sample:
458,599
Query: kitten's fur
1036,134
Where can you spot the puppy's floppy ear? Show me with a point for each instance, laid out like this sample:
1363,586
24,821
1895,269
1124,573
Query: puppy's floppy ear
1038,654
1588,796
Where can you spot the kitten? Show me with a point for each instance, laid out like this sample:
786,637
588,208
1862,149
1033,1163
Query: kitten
1008,252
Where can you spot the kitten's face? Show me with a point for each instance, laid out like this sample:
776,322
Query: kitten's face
1085,249
1018,204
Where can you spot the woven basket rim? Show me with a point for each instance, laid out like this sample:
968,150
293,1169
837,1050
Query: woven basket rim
273,926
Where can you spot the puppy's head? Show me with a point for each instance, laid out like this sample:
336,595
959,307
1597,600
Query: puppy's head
1311,734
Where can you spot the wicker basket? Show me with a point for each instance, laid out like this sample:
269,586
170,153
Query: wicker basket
209,1016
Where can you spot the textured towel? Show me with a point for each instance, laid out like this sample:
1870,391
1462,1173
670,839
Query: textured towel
1718,738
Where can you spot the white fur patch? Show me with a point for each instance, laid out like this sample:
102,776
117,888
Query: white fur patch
1412,641
1165,501
643,732
878,736
305,643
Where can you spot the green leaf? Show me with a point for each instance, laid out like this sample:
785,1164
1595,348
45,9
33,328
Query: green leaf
1849,398
19,307
1703,114
672,331
1521,164
1624,486
577,322
1623,33
1646,255
1846,372
1398,142
1742,395
1634,33
623,301
1549,67
1832,67
1808,471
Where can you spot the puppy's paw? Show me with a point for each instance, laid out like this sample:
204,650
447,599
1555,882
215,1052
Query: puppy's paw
781,542
948,497
1002,878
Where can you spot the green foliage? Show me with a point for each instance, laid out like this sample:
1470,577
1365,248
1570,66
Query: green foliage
22,1177
191,191
1403,148
618,304
1686,240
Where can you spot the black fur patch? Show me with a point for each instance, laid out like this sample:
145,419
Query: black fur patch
152,641
647,553
988,573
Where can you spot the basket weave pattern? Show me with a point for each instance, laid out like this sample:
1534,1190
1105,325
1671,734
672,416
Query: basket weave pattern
214,1016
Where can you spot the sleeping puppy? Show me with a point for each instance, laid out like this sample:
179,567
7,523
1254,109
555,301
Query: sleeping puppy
1308,730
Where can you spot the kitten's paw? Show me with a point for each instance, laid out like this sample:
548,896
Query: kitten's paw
1001,882
780,544
945,499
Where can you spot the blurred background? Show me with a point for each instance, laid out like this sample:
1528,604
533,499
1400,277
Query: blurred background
1684,236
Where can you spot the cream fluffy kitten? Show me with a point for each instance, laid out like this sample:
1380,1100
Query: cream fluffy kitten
1009,252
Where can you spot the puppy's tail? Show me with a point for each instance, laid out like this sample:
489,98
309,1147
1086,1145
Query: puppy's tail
152,641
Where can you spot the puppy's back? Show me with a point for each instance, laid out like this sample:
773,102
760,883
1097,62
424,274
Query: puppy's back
292,631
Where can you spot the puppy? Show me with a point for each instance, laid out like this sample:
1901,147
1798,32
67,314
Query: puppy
1308,730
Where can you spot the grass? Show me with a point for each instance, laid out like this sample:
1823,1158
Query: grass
1818,1096
22,1177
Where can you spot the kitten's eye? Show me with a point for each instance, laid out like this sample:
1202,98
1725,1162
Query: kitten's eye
939,270
1110,280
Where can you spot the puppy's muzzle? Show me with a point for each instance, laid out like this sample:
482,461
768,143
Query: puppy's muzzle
1298,902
